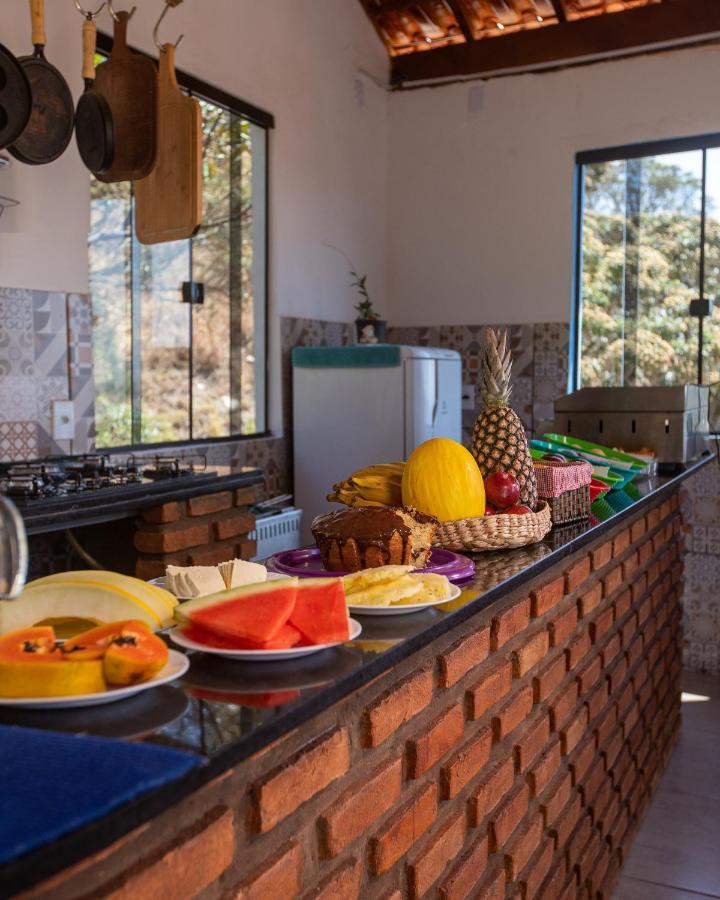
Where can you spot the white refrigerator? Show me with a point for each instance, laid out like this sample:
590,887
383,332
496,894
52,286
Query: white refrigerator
360,405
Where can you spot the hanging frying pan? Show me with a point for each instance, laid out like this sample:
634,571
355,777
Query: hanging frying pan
129,83
94,130
15,98
50,128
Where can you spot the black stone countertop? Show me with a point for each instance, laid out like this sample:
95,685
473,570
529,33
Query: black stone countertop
226,711
94,507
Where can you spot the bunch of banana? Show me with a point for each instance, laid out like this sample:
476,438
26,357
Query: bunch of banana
379,485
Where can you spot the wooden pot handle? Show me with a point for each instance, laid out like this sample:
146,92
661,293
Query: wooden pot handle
37,16
89,47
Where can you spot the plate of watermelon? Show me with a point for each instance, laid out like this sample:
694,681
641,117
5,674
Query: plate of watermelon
269,621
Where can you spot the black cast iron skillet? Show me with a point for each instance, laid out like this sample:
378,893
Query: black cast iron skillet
50,128
94,130
15,98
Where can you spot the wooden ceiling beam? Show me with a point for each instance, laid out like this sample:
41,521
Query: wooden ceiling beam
396,6
559,10
462,20
672,21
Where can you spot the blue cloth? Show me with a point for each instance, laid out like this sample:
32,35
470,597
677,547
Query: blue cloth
360,356
55,783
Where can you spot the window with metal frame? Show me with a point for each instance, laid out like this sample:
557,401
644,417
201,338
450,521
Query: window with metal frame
179,329
647,263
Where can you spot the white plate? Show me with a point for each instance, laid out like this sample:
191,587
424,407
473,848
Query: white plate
160,582
177,665
179,638
402,609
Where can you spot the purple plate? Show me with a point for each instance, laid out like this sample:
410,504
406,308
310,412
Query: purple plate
306,563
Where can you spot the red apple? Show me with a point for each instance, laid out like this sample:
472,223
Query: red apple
490,510
518,510
502,489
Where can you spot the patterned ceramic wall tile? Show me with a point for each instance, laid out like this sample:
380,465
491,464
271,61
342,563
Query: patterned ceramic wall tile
701,601
18,440
552,349
80,366
17,351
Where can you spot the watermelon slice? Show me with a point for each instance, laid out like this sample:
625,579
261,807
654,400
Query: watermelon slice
254,613
285,638
320,612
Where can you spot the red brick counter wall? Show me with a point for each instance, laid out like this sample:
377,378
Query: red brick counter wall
514,757
202,531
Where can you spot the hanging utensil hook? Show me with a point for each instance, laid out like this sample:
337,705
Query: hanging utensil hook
168,5
115,15
89,15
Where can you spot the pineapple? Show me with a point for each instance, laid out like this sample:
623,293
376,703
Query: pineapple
499,440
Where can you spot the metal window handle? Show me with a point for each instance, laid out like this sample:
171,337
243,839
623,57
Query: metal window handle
13,551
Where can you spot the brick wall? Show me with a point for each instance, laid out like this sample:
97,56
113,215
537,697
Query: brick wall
514,757
202,531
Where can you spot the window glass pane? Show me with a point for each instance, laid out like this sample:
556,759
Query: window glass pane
252,314
211,266
603,274
111,290
165,341
167,370
641,254
711,327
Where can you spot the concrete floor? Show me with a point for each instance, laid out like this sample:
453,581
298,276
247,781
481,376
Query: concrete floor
676,852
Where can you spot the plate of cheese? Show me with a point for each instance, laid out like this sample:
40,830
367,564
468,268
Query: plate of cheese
189,582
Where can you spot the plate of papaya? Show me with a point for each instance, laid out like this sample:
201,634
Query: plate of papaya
103,665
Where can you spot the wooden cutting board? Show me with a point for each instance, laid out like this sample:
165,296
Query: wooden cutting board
168,203
128,81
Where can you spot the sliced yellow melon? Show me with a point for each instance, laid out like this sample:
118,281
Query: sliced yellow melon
84,599
148,593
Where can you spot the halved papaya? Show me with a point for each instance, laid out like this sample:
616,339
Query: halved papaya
92,644
134,656
30,644
36,676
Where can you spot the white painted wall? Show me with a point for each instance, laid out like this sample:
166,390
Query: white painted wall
481,202
298,59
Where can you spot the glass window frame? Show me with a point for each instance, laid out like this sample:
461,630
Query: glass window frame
624,152
202,90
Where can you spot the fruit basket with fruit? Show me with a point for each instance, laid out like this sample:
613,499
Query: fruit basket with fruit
513,517
515,527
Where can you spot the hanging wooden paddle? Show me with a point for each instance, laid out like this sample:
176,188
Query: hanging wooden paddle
50,128
168,204
128,83
94,131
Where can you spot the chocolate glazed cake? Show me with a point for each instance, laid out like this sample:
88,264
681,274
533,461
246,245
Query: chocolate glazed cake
365,537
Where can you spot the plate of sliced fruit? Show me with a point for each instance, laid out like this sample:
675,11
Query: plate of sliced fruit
270,621
196,639
103,665
396,591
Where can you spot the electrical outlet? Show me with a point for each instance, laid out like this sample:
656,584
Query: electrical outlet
63,417
468,396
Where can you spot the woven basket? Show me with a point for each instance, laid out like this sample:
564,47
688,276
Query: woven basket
498,532
572,506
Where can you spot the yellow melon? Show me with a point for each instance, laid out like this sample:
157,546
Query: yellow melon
442,479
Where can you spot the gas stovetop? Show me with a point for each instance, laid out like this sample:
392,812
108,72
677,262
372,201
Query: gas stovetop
58,479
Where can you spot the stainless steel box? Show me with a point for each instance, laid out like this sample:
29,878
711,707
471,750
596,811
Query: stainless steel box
671,421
